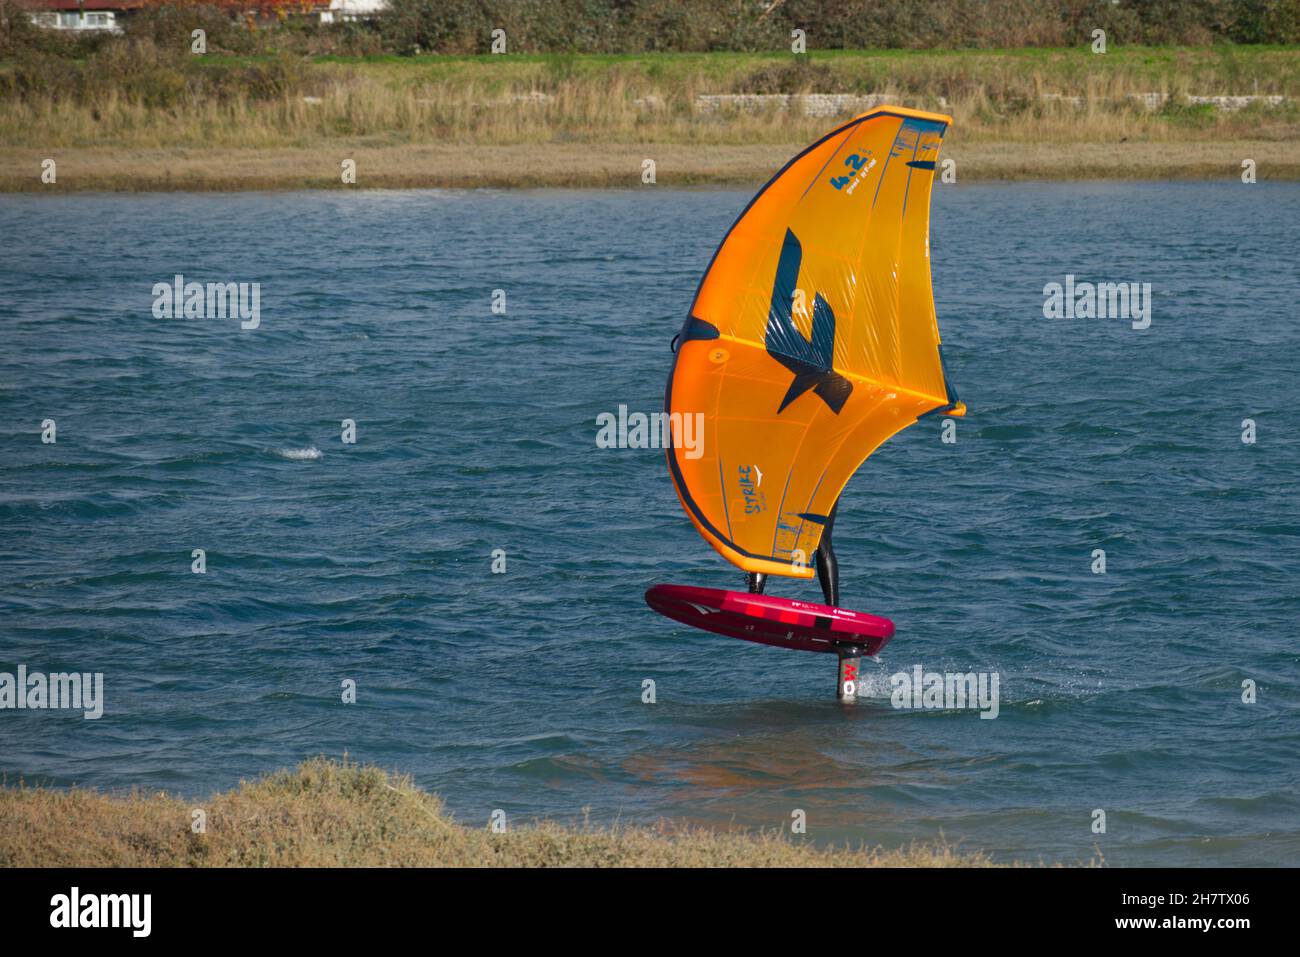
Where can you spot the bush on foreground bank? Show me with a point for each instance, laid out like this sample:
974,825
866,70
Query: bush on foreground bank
340,814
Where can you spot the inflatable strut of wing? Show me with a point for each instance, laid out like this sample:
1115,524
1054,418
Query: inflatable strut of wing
812,340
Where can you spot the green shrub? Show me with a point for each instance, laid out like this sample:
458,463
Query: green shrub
171,27
443,26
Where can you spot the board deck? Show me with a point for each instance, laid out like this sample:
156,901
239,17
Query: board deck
768,620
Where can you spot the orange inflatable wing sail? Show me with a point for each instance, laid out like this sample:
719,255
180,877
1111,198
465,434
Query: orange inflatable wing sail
812,340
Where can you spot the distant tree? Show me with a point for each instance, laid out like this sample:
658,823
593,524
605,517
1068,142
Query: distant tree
443,26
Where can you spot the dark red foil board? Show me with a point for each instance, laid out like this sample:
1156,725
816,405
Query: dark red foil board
768,620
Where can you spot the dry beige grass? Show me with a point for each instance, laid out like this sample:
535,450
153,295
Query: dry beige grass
338,814
584,121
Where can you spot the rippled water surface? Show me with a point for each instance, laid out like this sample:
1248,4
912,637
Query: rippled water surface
476,431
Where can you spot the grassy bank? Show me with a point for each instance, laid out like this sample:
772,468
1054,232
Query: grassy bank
328,814
224,122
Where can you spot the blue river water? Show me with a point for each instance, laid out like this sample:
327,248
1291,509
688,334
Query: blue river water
475,431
